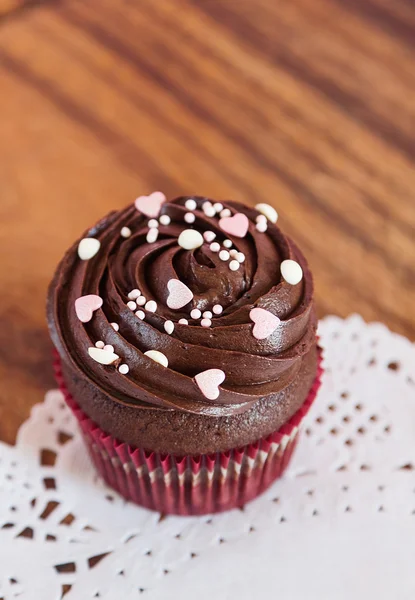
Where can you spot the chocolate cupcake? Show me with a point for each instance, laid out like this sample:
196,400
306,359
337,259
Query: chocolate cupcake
186,346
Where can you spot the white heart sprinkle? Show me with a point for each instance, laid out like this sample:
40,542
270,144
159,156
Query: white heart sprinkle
190,204
268,211
125,232
291,271
190,239
123,369
158,357
88,247
169,327
151,306
104,357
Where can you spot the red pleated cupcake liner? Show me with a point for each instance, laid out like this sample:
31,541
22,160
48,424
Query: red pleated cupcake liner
190,485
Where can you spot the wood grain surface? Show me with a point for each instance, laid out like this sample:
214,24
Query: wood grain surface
305,104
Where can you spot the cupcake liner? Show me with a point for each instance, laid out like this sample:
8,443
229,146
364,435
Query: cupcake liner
190,485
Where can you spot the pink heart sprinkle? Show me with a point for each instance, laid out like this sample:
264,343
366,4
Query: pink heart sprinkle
150,205
86,305
179,294
265,323
236,225
209,381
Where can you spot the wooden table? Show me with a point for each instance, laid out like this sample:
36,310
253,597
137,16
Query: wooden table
306,104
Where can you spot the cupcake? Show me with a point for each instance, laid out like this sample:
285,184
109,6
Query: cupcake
186,347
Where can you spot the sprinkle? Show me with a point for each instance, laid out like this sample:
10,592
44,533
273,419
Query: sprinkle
191,204
151,306
268,211
214,246
261,226
206,322
179,294
208,209
209,236
291,271
225,213
133,295
207,314
224,255
123,369
125,232
209,381
88,247
158,357
189,217
218,207
183,322
195,313
152,235
261,219
132,305
150,205
169,327
140,314
237,225
265,323
240,257
100,344
115,326
153,223
233,253
190,239
227,243
217,309
165,220
109,348
141,300
104,357
234,265
85,306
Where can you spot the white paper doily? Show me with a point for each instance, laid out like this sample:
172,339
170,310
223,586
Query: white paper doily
339,525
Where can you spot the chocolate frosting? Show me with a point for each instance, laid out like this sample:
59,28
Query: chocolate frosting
256,370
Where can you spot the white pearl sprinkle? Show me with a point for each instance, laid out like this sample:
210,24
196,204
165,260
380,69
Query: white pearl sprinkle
183,322
153,223
209,236
227,243
207,314
190,239
291,271
125,232
261,226
140,314
261,218
109,348
209,210
141,300
158,357
115,326
215,247
225,213
218,207
195,313
151,306
169,327
189,217
268,211
133,295
88,247
123,369
165,220
132,305
99,344
240,257
206,322
224,255
191,204
217,309
233,253
152,235
234,265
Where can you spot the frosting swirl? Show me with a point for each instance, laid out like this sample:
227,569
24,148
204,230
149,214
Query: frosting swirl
254,368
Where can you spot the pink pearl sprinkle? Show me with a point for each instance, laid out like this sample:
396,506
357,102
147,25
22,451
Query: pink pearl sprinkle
206,322
207,314
215,247
209,236
195,313
217,309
